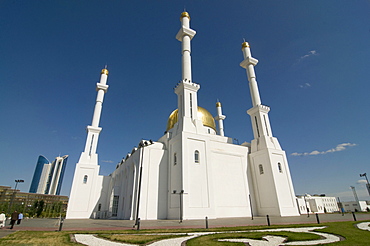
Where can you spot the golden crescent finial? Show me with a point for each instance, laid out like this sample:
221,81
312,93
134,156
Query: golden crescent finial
185,14
245,44
104,71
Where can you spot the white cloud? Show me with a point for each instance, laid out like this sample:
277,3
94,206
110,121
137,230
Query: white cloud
361,181
107,161
310,53
339,147
305,85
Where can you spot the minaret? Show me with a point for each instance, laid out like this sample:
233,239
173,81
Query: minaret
273,188
87,183
94,130
220,118
186,89
259,113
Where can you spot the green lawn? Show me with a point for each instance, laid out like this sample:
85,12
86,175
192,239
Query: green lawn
347,230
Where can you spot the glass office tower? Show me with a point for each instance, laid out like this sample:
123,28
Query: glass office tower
48,177
41,162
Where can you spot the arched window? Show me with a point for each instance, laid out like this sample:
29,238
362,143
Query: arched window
196,156
175,159
279,167
261,168
85,179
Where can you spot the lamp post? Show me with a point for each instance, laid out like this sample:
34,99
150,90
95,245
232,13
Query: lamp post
305,203
15,191
341,206
355,195
141,146
18,181
367,182
181,193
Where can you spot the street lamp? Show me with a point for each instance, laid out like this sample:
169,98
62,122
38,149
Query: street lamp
141,146
355,194
367,182
15,191
18,181
305,203
181,193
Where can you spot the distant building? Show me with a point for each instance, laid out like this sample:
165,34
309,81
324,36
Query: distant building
41,166
317,204
11,199
354,206
48,177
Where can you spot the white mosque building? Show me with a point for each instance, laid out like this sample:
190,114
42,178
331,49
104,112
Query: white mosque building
193,171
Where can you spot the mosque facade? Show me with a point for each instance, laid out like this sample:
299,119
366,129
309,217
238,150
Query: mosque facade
193,171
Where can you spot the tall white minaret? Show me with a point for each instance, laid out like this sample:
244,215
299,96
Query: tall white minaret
273,192
220,118
259,113
87,183
94,130
186,89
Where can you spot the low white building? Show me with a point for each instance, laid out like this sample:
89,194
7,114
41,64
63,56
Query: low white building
317,204
356,206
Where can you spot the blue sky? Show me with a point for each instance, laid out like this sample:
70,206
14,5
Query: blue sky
313,72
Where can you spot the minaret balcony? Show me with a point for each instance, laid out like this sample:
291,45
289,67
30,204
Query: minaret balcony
187,84
247,61
100,86
220,117
259,108
185,31
93,129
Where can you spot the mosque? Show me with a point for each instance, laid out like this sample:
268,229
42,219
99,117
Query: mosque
193,171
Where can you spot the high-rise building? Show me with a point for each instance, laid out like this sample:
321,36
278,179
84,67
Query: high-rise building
41,165
48,177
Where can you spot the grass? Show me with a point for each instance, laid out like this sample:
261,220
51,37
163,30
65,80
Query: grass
347,230
37,238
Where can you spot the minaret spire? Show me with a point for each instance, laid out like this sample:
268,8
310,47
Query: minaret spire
259,112
185,35
186,90
249,63
220,118
94,129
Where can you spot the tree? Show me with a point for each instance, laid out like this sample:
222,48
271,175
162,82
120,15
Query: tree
39,208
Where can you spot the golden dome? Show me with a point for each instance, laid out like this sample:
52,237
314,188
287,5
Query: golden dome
203,115
218,104
104,71
185,14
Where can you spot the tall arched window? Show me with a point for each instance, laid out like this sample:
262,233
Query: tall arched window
279,167
175,159
261,168
196,156
85,179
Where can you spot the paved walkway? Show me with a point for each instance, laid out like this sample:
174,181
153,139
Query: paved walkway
100,224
